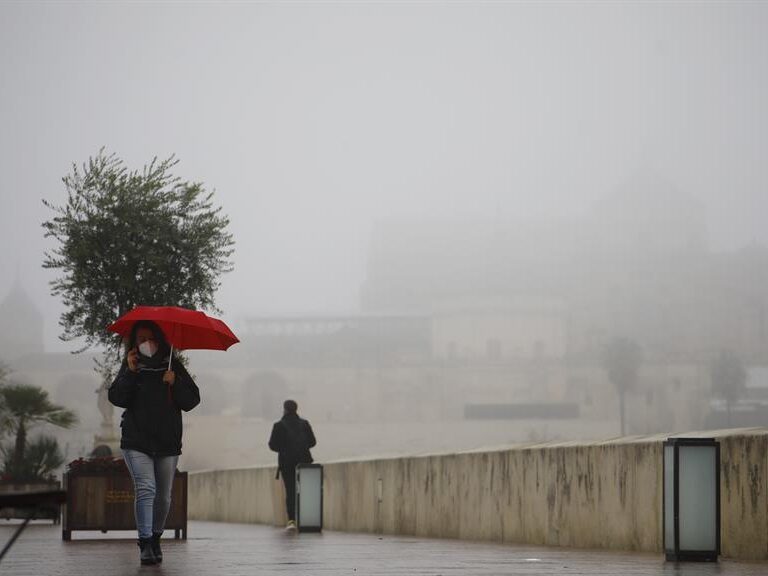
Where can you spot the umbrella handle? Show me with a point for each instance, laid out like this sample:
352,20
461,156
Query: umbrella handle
170,359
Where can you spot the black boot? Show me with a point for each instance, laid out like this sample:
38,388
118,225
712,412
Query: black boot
147,556
156,546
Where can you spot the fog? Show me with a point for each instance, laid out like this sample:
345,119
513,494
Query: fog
435,206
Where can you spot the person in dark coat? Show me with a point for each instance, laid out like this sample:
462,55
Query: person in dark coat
153,397
291,438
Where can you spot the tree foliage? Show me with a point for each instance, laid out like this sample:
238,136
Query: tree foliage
128,238
31,405
26,406
41,459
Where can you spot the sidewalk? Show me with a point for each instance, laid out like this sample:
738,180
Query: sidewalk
252,550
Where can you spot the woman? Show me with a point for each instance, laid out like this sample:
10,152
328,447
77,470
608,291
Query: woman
153,397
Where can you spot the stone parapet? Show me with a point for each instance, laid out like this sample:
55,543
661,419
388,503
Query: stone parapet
604,495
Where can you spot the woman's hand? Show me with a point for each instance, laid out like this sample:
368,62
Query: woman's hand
169,377
133,360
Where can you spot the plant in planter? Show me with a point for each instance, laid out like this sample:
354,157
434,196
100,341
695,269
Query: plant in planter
42,457
25,406
29,465
100,466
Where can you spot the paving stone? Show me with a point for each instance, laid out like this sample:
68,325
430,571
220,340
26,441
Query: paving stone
255,550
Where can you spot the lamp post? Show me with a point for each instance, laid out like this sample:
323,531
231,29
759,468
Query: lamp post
691,499
309,497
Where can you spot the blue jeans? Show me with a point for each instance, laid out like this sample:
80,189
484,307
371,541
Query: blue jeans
152,483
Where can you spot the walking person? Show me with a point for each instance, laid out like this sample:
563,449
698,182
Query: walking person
153,388
291,438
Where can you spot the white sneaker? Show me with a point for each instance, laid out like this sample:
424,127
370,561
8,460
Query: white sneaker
291,526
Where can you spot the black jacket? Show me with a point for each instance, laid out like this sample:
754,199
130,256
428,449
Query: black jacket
151,422
291,438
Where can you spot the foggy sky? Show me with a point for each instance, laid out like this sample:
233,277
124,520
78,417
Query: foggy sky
314,121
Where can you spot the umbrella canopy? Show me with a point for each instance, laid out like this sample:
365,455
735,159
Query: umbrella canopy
183,328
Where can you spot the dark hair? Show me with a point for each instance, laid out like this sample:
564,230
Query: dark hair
290,406
162,344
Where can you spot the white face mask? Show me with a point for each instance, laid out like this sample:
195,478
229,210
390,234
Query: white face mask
148,348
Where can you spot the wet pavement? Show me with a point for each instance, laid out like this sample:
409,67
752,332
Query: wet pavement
246,549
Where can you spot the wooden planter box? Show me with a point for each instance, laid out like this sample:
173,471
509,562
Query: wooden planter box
104,501
45,513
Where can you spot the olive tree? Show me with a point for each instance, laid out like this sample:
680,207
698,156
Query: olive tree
132,237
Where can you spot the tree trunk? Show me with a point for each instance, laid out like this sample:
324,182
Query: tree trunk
21,444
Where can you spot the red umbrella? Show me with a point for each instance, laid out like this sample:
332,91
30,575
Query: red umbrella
183,328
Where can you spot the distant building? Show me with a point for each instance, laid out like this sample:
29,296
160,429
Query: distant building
649,214
636,265
523,309
21,325
500,333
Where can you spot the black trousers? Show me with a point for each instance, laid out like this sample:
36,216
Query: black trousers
289,480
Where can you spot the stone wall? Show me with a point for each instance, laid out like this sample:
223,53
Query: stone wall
590,495
248,495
